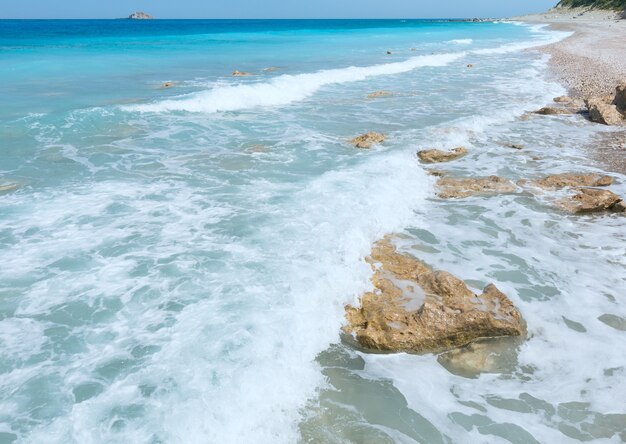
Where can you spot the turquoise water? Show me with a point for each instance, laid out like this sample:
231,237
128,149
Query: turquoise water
176,261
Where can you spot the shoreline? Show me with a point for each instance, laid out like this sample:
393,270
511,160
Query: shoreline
589,63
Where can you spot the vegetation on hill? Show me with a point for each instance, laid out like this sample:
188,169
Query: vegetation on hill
597,4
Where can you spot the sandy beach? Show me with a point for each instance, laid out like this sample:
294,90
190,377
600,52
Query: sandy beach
590,63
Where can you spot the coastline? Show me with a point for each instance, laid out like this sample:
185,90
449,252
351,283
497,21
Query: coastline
590,63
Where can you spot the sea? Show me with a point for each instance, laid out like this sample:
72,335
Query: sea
175,261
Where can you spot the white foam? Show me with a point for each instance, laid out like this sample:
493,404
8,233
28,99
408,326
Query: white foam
286,89
462,41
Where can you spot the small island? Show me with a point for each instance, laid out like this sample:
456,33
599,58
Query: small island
140,16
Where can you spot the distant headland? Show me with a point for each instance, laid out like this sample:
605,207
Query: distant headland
140,16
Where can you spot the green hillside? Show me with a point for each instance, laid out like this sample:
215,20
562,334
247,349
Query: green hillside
598,4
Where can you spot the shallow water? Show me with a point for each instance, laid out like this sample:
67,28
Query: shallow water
177,260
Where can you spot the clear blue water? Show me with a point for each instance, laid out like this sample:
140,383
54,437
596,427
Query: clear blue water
176,260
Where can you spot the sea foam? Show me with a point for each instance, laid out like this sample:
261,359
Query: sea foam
287,89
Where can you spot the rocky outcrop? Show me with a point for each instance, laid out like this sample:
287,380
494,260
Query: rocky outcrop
602,112
140,16
414,309
377,94
563,180
368,140
435,156
241,73
592,200
450,188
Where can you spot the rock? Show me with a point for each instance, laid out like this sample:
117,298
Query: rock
437,173
592,200
554,111
469,65
563,99
241,73
435,156
434,311
7,188
450,188
620,98
602,112
167,84
558,181
378,94
388,52
140,16
368,140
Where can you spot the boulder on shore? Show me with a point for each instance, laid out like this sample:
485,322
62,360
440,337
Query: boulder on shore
434,311
563,180
451,188
368,140
435,156
592,200
602,112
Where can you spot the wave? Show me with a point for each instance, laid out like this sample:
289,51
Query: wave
286,89
461,41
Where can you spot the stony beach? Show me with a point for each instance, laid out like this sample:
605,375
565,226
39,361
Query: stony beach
590,63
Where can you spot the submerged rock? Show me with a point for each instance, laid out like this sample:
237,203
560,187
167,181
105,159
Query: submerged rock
470,65
7,188
515,146
592,200
367,140
434,156
414,309
241,73
450,187
271,69
602,112
563,180
377,94
167,84
484,356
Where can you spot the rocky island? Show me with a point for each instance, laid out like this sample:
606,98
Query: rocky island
140,16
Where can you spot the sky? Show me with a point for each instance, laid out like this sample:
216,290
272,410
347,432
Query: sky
272,8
